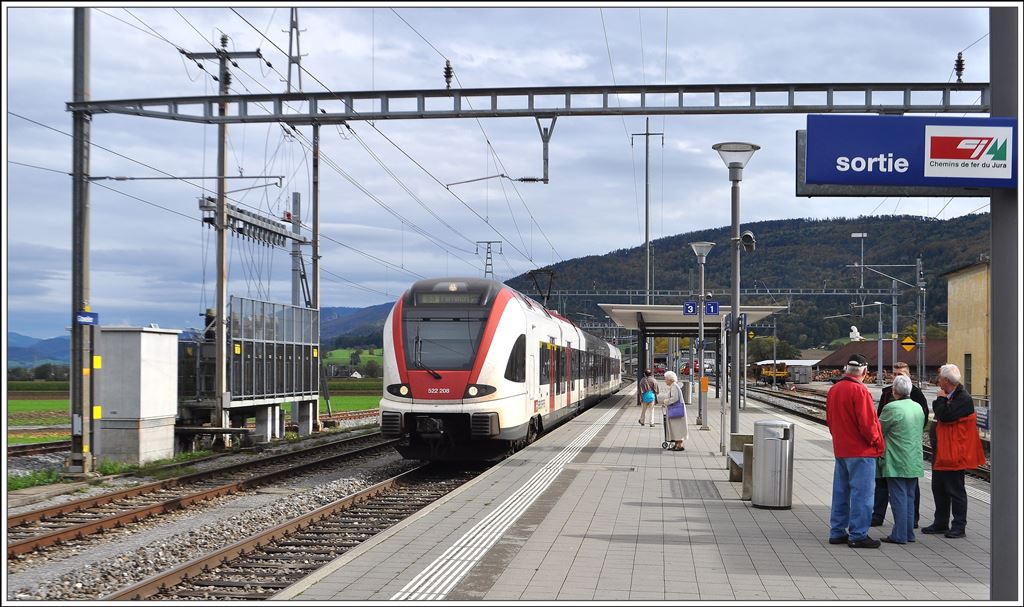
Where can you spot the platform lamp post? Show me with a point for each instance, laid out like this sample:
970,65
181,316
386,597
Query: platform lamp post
878,379
735,156
701,250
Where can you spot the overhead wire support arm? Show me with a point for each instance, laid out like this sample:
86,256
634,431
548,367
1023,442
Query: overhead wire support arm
545,137
578,101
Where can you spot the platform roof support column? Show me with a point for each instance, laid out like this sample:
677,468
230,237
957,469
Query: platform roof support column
1005,323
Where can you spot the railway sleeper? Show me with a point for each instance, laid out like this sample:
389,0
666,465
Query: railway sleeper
277,556
276,566
210,594
308,552
239,584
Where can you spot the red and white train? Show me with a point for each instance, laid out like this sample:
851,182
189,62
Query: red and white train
474,369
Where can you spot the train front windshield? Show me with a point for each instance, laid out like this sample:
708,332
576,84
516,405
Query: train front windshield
442,343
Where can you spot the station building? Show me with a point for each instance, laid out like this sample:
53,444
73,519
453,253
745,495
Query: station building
969,340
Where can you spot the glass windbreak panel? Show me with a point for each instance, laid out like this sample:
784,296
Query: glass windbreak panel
305,326
288,323
258,319
247,328
272,310
316,326
441,343
236,323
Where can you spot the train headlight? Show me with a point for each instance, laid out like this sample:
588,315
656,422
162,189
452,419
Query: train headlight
399,390
478,390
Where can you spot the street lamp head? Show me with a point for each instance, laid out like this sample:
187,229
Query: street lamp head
748,241
701,249
735,153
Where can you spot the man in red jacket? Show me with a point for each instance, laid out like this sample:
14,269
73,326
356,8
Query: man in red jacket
956,447
857,442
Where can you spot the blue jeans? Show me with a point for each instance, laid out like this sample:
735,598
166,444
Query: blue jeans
901,498
853,495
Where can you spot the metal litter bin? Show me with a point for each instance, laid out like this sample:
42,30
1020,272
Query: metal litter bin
773,464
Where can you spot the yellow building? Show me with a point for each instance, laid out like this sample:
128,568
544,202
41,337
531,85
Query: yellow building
969,340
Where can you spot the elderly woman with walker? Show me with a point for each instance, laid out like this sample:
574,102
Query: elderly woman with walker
675,414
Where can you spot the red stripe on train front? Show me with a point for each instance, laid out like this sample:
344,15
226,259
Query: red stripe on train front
399,349
497,308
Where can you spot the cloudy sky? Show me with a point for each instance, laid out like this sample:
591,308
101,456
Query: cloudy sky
152,264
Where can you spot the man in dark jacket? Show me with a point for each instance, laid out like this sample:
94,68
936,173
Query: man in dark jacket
857,442
881,487
956,447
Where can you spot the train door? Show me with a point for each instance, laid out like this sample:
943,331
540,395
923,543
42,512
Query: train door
569,375
552,377
532,384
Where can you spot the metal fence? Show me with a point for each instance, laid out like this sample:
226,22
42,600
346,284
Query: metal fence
274,350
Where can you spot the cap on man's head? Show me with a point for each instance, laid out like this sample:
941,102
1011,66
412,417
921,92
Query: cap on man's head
857,360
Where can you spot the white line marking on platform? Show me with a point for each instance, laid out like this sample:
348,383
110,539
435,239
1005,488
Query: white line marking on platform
438,579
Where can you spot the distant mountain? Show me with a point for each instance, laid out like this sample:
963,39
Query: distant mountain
790,254
17,340
56,350
367,322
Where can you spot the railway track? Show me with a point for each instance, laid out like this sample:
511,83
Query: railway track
38,448
813,409
39,529
260,566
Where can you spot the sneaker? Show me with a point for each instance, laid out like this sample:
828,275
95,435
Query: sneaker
652,425
839,540
877,522
641,422
955,533
867,542
932,529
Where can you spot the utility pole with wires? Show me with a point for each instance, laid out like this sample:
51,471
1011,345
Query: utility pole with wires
489,261
647,219
221,222
294,58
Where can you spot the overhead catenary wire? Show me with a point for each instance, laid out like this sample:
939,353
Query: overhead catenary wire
490,146
318,81
629,139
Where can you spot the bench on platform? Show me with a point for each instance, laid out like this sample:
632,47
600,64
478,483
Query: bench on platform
741,462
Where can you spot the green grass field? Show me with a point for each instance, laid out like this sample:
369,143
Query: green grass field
38,386
341,357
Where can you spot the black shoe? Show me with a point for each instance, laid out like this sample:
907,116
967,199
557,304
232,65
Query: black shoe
932,529
839,540
877,522
955,533
867,542
915,524
889,540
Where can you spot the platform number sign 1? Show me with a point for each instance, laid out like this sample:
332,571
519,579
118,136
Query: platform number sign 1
689,308
711,308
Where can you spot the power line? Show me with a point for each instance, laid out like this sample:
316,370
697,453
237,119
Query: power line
629,139
318,81
497,157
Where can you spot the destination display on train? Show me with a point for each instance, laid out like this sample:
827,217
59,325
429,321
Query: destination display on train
447,298
911,151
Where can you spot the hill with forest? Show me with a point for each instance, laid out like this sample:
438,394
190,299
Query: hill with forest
792,254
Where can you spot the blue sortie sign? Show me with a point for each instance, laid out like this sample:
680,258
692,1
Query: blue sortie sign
912,151
689,308
711,308
87,318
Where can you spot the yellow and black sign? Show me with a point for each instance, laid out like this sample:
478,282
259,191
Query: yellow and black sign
908,343
750,335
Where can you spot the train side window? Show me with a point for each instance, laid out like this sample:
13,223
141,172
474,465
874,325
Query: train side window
515,370
545,365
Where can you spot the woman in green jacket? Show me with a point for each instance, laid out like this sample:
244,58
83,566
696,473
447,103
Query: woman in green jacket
903,460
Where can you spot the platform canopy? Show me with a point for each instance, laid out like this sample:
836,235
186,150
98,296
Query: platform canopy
669,321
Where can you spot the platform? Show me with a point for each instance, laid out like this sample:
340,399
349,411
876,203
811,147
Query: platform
596,510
